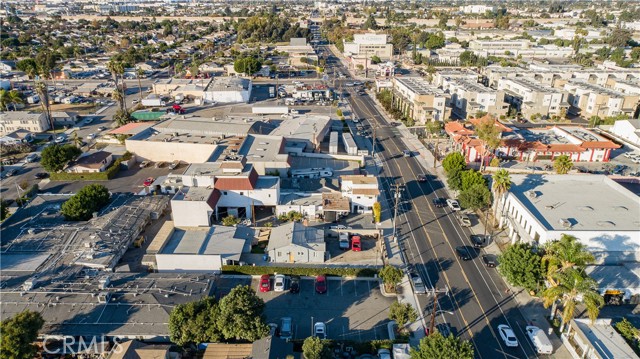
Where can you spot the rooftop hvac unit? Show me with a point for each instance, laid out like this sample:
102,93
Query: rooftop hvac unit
104,282
532,194
565,223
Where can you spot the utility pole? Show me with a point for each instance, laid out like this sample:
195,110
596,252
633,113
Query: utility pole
397,193
432,324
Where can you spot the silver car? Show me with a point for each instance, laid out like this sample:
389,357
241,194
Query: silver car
417,283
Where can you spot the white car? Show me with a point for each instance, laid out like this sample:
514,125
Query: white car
278,283
384,354
91,136
60,139
453,204
507,335
320,330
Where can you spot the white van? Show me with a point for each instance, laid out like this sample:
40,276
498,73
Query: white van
539,339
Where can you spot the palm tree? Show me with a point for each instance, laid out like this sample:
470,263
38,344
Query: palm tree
117,69
562,164
77,140
501,185
43,91
11,97
574,287
139,74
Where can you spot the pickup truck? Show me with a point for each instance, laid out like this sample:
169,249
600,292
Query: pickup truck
480,240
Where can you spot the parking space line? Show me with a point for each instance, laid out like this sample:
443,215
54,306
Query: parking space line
341,284
355,286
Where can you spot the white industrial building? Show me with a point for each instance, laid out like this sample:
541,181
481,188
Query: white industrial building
362,192
307,130
201,250
629,130
266,153
294,242
228,90
600,212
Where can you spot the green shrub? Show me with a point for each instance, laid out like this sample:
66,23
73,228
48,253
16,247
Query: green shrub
306,271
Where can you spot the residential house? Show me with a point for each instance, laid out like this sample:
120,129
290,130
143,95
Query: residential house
361,190
596,340
91,162
419,100
16,137
294,242
629,130
64,118
134,349
7,65
34,122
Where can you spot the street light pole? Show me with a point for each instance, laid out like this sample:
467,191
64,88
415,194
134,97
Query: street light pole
395,211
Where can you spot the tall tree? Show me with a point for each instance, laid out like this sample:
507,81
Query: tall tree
471,178
489,133
139,75
562,164
55,157
11,97
574,287
89,199
475,197
454,161
436,346
194,322
521,266
43,92
241,315
18,335
116,67
402,313
391,277
315,348
500,186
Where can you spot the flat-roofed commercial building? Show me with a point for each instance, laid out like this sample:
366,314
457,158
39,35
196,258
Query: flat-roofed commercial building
418,99
601,213
34,122
368,45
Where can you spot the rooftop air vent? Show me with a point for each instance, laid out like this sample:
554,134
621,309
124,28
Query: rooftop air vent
532,194
565,222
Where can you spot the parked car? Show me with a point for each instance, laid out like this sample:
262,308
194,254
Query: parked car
356,244
144,164
507,335
439,202
444,329
160,164
148,181
41,175
174,164
453,204
286,328
60,139
294,285
31,158
490,260
464,220
344,240
279,283
466,253
479,240
321,284
91,136
265,283
417,283
406,153
320,330
102,128
11,172
540,340
384,354
422,178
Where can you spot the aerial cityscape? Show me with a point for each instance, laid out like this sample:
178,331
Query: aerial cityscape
294,179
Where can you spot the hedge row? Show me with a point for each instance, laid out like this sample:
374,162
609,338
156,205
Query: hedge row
305,271
108,174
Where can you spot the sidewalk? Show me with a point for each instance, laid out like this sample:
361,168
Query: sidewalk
531,308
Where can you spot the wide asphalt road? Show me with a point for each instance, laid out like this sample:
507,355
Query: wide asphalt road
429,236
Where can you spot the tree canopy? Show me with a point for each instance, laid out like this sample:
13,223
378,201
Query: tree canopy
241,315
269,28
454,161
470,178
55,157
391,276
194,322
475,197
436,346
402,313
247,65
521,266
316,348
18,335
89,199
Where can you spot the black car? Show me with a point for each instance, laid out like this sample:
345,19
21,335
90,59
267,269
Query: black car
466,253
294,285
491,260
444,329
439,202
41,175
480,241
11,172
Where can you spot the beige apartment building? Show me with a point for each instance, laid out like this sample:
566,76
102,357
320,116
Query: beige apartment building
532,98
589,100
34,122
418,99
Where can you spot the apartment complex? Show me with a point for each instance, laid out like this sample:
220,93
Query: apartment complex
34,122
368,45
469,97
419,100
531,98
590,100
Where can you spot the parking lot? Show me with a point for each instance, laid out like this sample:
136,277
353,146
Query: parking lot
353,310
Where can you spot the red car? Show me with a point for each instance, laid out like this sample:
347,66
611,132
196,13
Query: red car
265,283
321,284
356,245
148,181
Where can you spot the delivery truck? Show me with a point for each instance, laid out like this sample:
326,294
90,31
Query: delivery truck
153,101
540,340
